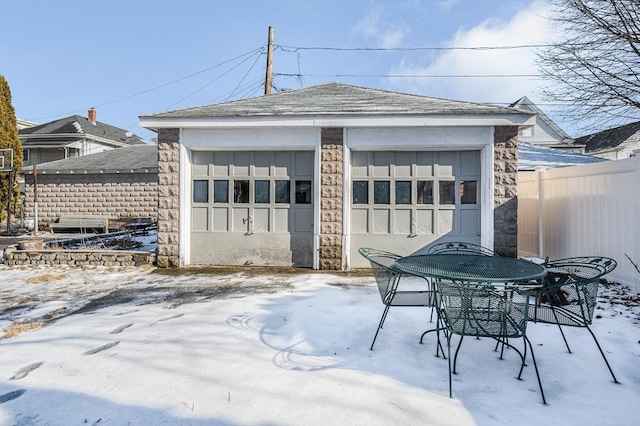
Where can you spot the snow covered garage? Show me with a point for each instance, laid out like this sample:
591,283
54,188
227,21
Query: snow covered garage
306,177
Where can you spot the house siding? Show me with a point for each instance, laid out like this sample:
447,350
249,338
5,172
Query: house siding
168,197
506,190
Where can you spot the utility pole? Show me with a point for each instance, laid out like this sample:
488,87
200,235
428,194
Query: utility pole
269,77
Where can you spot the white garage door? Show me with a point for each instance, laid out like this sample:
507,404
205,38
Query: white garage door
403,201
252,208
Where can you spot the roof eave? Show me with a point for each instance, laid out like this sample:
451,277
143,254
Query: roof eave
414,120
75,136
29,171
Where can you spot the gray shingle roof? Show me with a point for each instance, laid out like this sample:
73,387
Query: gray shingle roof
81,125
336,99
611,138
127,159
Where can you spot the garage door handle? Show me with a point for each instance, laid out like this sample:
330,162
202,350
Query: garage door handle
249,221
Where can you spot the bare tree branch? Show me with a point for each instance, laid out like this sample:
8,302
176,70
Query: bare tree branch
596,70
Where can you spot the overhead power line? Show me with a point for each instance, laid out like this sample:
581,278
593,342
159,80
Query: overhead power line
251,52
427,48
257,52
410,75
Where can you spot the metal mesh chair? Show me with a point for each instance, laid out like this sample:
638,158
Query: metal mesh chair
388,279
569,295
460,248
486,310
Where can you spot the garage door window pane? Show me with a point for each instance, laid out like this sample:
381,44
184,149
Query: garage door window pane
200,191
261,191
360,192
381,192
283,195
403,192
220,191
447,192
469,192
303,192
425,192
241,191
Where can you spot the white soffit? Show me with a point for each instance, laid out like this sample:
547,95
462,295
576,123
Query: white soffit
341,121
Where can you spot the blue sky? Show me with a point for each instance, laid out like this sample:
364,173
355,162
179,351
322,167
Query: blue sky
129,58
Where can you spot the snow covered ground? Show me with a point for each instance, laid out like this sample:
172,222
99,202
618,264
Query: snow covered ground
135,346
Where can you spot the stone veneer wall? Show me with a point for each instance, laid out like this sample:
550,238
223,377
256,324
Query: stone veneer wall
117,195
168,197
331,179
13,256
505,166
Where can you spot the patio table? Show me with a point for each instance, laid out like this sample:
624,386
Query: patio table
472,268
479,296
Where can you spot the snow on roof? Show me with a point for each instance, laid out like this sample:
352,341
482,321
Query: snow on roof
532,156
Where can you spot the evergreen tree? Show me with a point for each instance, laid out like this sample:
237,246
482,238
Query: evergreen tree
9,139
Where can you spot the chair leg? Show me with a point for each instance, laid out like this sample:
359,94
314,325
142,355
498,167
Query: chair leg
524,358
384,316
449,359
535,365
561,332
498,341
603,356
455,358
438,342
505,343
432,301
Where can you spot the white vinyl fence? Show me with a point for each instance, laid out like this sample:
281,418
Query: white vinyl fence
585,210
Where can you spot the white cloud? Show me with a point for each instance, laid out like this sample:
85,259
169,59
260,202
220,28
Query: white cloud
447,4
528,27
378,27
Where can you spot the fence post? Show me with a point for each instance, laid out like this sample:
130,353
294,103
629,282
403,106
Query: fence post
539,188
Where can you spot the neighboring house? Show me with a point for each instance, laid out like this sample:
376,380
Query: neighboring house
306,177
23,124
614,144
71,137
121,183
545,132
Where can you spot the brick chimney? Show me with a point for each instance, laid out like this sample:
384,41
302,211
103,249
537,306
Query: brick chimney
92,115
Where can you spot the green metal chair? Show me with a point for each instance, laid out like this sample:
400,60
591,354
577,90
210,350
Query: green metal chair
486,310
388,279
569,295
460,248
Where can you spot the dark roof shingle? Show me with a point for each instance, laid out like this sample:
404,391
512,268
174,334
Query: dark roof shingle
81,125
611,138
126,159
